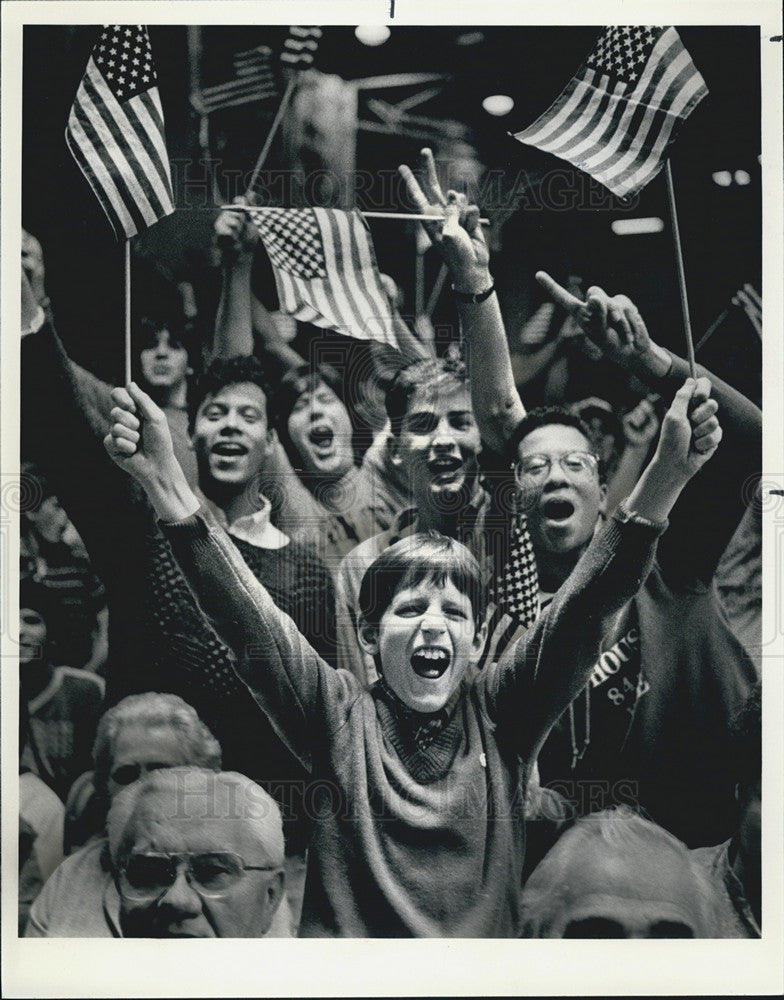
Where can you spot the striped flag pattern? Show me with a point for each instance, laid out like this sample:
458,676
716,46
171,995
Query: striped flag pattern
325,270
623,108
115,131
299,48
253,80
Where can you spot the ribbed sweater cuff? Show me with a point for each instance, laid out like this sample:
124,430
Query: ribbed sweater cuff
193,531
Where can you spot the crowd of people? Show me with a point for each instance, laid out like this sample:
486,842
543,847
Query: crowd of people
465,669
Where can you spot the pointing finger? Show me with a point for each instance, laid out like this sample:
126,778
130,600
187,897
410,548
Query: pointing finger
558,293
431,176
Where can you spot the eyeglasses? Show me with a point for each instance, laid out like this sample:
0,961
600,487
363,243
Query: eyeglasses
147,877
576,464
126,774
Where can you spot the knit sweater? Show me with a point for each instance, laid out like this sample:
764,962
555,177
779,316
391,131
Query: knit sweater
668,748
395,855
158,639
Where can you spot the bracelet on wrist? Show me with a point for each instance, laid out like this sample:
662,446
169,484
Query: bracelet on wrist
475,297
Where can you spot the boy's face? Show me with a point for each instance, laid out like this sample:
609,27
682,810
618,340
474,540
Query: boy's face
230,435
438,443
426,640
165,364
562,507
320,430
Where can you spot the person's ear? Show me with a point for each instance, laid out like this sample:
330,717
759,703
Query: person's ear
368,637
272,897
272,437
603,495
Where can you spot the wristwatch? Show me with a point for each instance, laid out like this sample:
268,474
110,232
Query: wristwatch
475,297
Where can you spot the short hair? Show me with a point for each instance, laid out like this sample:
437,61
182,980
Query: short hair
201,793
153,709
544,416
223,372
430,374
746,739
613,831
423,556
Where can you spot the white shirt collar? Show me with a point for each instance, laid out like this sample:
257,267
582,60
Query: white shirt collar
255,528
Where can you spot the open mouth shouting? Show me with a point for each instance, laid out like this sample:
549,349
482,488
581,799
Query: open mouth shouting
321,437
230,449
446,469
430,662
557,510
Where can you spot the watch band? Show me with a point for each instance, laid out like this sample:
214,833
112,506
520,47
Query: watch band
475,297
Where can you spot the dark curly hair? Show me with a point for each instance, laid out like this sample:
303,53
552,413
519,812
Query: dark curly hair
220,373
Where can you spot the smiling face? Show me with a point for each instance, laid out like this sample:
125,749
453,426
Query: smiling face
159,826
32,635
562,507
425,641
438,445
320,430
231,436
164,365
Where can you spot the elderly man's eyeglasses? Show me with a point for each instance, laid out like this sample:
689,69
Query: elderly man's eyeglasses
575,464
146,877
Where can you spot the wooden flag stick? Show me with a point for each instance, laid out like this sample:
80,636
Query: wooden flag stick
268,141
681,273
127,311
437,287
403,216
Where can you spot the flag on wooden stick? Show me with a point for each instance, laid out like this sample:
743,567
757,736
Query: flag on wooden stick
325,270
300,46
115,131
623,108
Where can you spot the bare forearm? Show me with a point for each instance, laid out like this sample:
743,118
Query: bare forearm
234,322
497,404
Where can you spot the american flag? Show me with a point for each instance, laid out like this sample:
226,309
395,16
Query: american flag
622,109
299,48
325,270
115,131
253,80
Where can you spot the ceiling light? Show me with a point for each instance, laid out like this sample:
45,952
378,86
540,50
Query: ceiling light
498,104
636,227
742,177
372,34
470,38
723,178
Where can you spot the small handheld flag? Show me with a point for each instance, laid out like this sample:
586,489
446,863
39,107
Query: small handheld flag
623,107
325,270
253,80
300,46
115,131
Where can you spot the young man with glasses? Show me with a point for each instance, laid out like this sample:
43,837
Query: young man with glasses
651,727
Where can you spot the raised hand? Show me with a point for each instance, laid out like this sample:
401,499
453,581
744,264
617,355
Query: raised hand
458,236
690,432
139,440
640,425
235,234
613,324
140,443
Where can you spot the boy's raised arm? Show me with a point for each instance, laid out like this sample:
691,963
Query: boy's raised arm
285,675
551,664
497,405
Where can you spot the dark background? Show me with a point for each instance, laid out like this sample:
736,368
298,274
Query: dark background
720,227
